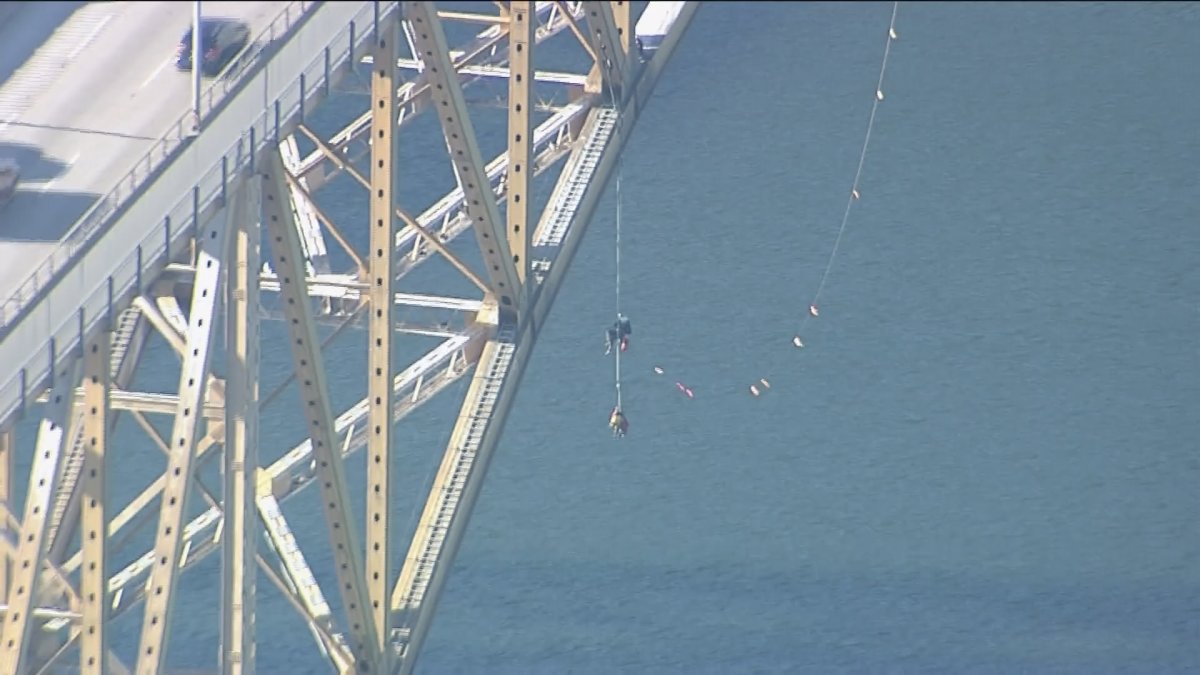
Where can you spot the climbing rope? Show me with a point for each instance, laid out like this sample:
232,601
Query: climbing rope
763,384
620,162
854,194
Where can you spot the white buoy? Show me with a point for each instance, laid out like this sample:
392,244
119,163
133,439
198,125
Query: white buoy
892,34
796,341
812,309
879,94
658,370
754,390
854,193
765,384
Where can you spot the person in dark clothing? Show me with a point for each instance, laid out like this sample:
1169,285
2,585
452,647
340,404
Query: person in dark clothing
618,333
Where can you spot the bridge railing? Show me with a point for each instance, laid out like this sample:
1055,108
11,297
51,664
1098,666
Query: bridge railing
148,256
163,151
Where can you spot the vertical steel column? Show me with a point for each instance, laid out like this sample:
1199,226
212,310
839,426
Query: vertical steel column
240,538
380,329
43,483
520,136
8,454
160,592
93,575
609,52
621,17
287,258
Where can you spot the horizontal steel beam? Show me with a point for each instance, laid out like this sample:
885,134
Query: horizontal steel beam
163,404
490,44
502,72
48,613
294,471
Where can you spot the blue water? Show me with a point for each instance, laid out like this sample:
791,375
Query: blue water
984,460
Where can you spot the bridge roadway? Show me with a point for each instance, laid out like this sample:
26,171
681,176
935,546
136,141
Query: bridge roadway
104,91
79,110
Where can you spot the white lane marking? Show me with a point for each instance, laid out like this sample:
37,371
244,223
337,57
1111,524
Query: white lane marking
155,74
90,36
46,64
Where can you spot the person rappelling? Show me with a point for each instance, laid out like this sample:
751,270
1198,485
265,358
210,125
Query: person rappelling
618,334
618,422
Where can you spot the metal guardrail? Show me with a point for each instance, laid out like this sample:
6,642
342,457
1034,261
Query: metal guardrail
154,250
92,221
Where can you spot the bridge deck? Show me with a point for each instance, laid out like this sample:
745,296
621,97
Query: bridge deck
84,107
147,226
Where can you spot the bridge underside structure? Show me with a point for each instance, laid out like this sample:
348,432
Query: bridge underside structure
117,522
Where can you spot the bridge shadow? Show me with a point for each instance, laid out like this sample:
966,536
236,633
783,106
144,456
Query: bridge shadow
24,26
38,212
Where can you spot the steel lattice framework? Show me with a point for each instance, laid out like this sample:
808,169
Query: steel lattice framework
262,255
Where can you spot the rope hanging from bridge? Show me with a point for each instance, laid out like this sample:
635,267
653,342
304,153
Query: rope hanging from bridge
812,310
622,328
620,317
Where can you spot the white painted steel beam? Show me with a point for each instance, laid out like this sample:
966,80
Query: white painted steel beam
464,153
303,582
602,29
212,244
8,458
288,261
456,488
93,577
412,96
622,19
502,73
128,338
311,237
520,138
240,532
380,334
297,469
43,478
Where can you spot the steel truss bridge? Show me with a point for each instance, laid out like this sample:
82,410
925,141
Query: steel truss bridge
184,258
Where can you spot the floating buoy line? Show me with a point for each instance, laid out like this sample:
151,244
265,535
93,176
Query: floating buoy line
618,335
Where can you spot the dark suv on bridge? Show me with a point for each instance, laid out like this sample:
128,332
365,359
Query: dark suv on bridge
220,41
